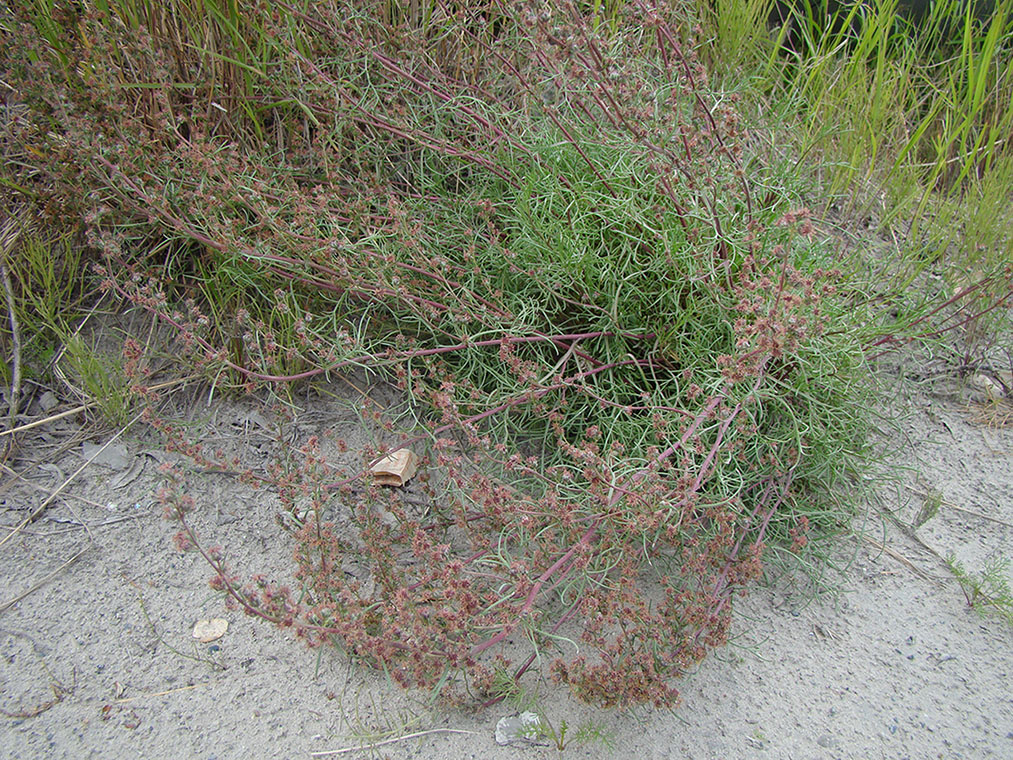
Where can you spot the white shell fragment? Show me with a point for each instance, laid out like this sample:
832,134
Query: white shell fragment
209,630
526,727
395,469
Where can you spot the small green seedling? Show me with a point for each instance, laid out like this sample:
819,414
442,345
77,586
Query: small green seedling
988,591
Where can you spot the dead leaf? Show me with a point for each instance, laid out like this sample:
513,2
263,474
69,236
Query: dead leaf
991,388
126,477
113,456
395,469
209,630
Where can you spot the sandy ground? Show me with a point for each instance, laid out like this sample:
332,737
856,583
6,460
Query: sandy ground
98,660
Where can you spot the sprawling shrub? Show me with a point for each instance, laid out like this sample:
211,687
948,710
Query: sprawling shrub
626,343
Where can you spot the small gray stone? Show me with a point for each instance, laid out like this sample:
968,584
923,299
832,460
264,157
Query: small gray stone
827,741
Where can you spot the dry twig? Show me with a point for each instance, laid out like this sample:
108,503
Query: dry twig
37,512
9,234
364,747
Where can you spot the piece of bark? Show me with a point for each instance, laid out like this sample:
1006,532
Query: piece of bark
395,469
